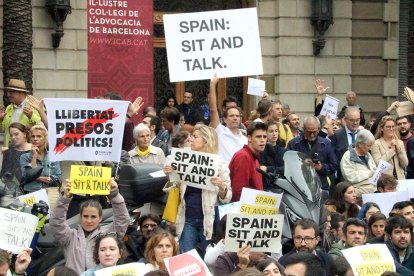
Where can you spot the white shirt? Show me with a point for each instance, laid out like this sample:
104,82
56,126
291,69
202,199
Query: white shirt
17,111
348,135
229,143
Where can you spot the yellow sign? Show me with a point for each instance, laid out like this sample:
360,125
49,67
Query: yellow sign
124,272
257,210
373,269
371,255
29,200
266,200
90,180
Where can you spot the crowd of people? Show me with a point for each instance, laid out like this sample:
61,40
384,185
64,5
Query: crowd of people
344,153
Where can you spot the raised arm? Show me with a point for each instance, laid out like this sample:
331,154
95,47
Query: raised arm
121,216
212,102
38,105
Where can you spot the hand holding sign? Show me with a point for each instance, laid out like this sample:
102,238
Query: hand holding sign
66,188
243,255
22,261
91,180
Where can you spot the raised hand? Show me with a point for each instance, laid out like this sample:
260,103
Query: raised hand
320,87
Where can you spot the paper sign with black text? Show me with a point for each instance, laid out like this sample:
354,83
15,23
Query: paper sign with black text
201,44
369,260
194,168
90,180
330,107
382,167
187,264
255,202
386,200
32,198
256,87
85,129
262,232
16,230
131,269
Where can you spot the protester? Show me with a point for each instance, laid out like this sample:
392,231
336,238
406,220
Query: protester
270,267
386,184
357,164
195,216
160,246
250,271
376,228
22,262
39,157
351,101
293,121
155,125
109,251
264,111
144,152
78,243
191,111
333,231
182,140
304,264
367,210
61,271
405,209
216,249
345,199
170,118
404,129
355,234
170,101
284,131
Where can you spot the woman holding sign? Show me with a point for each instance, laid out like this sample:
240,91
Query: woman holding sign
195,215
78,244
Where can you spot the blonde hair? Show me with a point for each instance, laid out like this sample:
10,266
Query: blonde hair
381,125
209,135
40,128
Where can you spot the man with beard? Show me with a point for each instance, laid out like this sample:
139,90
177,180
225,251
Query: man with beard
398,231
404,128
293,121
306,238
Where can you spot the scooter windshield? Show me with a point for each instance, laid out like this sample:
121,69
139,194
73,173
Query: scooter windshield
300,172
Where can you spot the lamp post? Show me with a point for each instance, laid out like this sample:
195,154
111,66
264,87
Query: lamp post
321,19
58,9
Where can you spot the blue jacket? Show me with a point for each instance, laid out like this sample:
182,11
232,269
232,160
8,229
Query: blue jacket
326,155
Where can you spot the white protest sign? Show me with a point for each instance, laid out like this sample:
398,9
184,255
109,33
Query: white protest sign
32,198
131,269
201,44
255,202
233,207
370,259
386,200
406,185
187,264
262,232
330,107
194,168
16,230
382,167
256,87
85,129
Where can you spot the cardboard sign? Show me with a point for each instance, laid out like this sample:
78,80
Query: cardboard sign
187,264
85,129
16,230
382,167
256,87
90,180
131,269
262,232
406,185
204,43
194,168
370,259
330,107
405,108
255,202
32,198
386,200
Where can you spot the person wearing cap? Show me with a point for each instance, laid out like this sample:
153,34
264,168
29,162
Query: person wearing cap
19,110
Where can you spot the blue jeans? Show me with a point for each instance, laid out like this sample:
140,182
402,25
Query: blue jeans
192,237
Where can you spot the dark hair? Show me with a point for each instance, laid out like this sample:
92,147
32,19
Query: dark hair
250,271
229,99
339,198
312,263
403,117
401,205
390,273
397,222
154,241
226,111
91,203
158,272
336,218
119,243
355,222
256,126
373,219
281,142
364,209
62,270
306,223
152,217
171,114
113,96
340,266
168,98
266,262
22,128
147,110
386,180
154,121
179,138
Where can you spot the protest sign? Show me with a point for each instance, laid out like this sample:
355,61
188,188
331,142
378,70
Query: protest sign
262,232
406,185
131,269
386,200
370,259
204,43
255,202
194,168
85,129
90,180
187,264
382,167
16,230
233,207
256,87
330,107
32,198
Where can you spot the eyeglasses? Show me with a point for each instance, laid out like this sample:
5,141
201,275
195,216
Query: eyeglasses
146,226
111,234
307,240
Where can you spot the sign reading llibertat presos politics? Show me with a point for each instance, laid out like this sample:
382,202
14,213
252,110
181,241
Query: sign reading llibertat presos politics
85,129
201,44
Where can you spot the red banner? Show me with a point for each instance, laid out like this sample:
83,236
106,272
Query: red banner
120,48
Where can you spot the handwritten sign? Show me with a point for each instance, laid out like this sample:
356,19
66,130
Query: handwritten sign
32,198
256,87
262,232
224,42
255,202
386,200
330,107
370,259
16,230
90,180
187,264
131,269
194,168
382,167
